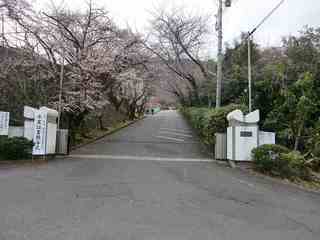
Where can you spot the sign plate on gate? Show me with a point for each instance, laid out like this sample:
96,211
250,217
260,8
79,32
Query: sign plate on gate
4,123
245,134
39,139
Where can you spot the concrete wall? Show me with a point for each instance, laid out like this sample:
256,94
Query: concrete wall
239,147
15,132
51,138
62,142
221,146
244,144
267,138
28,129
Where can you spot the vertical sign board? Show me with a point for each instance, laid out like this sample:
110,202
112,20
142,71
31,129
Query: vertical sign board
4,123
40,132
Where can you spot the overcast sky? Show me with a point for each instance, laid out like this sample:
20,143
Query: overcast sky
242,16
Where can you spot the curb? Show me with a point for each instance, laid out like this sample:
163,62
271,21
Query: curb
252,173
6,165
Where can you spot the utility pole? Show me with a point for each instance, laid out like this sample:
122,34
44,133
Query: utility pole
60,90
2,30
249,74
220,56
219,64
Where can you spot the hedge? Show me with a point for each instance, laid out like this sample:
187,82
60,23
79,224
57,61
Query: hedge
208,121
17,148
276,160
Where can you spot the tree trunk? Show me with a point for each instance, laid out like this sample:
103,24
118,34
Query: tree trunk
297,140
132,112
100,122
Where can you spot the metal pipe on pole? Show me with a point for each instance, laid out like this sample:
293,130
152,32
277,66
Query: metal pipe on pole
219,64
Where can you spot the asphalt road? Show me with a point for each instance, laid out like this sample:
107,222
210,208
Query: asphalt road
145,182
164,135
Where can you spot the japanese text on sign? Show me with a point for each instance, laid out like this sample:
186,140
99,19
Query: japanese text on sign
4,123
39,139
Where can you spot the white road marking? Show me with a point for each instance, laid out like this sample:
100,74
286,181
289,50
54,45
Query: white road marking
174,133
138,158
176,130
171,138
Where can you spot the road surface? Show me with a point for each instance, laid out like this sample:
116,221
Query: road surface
150,181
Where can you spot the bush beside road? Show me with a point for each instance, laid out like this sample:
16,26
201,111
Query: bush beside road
278,161
209,121
17,148
272,160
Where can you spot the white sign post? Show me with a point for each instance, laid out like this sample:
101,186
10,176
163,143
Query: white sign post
4,123
40,131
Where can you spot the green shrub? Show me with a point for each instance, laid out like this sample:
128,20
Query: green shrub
266,157
294,166
17,148
313,156
208,121
316,150
314,147
278,161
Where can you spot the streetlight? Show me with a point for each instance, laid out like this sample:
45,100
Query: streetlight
249,73
249,50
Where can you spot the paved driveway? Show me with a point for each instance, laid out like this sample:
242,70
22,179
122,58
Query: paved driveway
136,185
164,135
